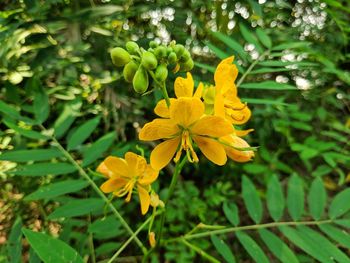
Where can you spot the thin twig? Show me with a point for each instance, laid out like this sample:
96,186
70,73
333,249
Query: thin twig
98,191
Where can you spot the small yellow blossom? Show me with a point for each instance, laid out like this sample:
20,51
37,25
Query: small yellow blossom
152,239
126,174
222,98
182,124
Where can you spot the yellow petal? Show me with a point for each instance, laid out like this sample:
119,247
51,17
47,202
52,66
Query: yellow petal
214,126
238,117
113,185
242,133
186,111
219,106
184,86
102,168
199,91
149,176
225,74
136,164
212,149
158,129
163,153
162,109
234,154
145,199
117,166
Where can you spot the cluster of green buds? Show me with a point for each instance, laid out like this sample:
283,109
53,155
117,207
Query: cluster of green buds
140,65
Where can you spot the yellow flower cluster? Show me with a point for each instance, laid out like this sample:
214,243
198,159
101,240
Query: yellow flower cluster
206,123
203,118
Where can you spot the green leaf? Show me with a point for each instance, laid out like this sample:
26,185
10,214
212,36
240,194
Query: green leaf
268,70
24,132
264,38
41,105
268,85
253,249
275,198
40,169
252,200
57,189
106,248
217,51
51,250
250,38
9,111
340,204
223,249
30,155
329,248
82,133
77,208
14,242
231,213
232,44
264,101
340,236
67,117
98,148
295,197
317,198
280,63
106,227
205,66
278,247
291,45
305,244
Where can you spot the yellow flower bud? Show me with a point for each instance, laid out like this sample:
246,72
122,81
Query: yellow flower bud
161,73
140,80
129,71
120,56
149,60
152,239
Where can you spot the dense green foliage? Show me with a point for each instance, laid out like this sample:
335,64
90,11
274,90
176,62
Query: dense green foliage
64,107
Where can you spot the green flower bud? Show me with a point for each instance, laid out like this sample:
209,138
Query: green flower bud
120,56
161,73
172,58
140,80
187,66
185,56
130,70
153,44
169,50
160,52
179,50
132,47
149,61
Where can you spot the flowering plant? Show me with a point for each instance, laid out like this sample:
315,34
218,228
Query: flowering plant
202,120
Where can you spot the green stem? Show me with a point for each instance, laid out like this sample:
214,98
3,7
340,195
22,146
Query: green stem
244,228
98,191
162,88
251,67
177,171
126,243
199,251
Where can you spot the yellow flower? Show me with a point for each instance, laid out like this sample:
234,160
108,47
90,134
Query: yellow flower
126,174
183,87
181,125
222,98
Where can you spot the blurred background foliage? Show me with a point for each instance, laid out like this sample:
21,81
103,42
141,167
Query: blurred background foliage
56,75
